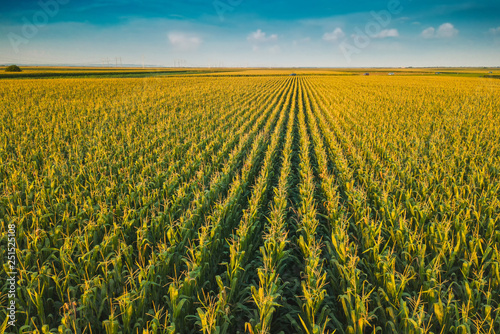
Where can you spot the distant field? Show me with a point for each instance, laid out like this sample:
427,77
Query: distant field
116,72
86,72
252,201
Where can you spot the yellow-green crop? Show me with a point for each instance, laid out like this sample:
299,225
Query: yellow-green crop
260,203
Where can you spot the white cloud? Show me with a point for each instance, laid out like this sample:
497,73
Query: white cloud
260,37
446,30
184,42
387,33
428,33
334,35
495,31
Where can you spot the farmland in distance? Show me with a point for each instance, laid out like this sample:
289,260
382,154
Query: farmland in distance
252,203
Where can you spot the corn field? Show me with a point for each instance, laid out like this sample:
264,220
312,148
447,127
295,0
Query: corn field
264,204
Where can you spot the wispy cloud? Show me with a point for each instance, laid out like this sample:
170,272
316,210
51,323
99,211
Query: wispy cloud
183,41
260,37
387,33
429,33
446,30
495,31
334,36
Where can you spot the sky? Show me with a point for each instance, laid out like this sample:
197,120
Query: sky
251,33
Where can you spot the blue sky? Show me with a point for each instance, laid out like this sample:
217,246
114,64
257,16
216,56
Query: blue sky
315,33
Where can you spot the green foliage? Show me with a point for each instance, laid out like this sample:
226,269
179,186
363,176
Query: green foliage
13,68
